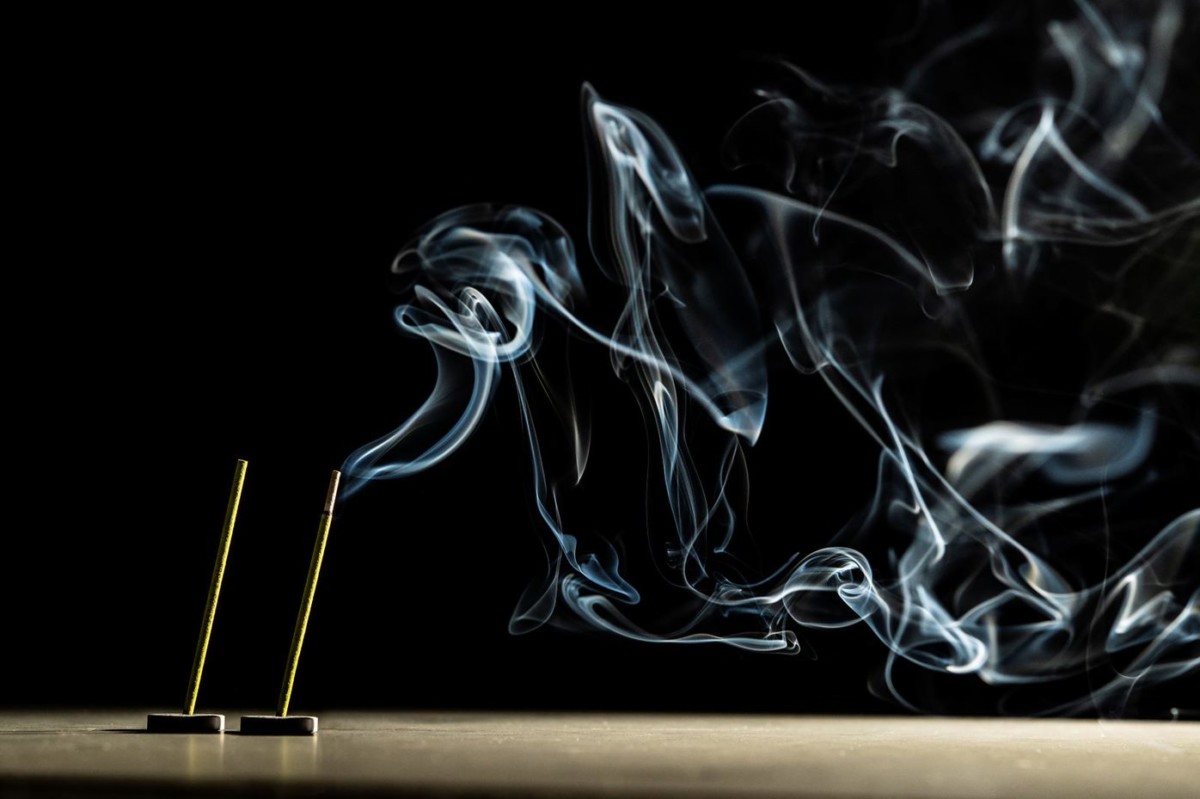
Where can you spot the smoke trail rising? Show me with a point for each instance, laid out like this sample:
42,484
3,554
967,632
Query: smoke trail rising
908,258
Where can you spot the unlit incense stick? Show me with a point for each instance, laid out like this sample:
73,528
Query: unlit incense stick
214,588
188,721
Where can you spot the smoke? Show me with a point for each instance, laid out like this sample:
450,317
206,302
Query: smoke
1001,292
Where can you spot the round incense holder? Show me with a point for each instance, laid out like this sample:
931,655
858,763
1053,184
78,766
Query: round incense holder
278,725
208,723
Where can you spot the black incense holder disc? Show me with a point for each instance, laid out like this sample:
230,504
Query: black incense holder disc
278,725
185,722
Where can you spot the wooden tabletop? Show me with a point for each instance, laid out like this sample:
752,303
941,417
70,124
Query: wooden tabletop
97,753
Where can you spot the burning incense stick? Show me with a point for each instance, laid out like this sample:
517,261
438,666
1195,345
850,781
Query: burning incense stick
281,723
310,588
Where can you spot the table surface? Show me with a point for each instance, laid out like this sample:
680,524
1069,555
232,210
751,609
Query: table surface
105,754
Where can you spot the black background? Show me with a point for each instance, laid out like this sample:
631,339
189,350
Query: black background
214,211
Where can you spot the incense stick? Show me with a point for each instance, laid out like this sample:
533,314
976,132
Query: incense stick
188,721
214,588
310,588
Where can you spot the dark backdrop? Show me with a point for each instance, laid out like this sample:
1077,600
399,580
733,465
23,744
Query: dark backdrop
215,209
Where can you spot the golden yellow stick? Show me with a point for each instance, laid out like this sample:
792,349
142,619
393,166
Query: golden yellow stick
214,588
310,588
